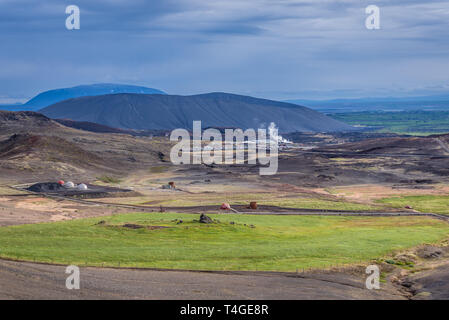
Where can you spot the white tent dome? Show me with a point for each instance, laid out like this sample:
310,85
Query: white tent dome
82,186
69,184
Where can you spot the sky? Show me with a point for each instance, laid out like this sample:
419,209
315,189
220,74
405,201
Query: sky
276,49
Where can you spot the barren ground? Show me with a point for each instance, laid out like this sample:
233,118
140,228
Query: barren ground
349,176
36,281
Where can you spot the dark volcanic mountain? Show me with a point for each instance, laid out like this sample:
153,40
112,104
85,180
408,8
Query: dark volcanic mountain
142,112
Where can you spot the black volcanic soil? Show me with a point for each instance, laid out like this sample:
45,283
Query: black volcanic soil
393,160
400,146
323,139
93,191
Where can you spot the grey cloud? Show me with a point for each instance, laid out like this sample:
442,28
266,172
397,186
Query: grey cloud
265,47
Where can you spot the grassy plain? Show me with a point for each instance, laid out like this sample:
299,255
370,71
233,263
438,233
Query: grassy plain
423,203
236,242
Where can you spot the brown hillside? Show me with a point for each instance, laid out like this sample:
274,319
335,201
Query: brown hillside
20,146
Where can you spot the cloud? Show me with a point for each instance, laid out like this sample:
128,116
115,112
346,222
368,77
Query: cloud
275,49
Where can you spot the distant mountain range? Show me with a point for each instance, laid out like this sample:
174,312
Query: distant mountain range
50,97
422,103
167,112
379,104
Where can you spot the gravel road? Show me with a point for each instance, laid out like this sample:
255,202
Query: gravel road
20,280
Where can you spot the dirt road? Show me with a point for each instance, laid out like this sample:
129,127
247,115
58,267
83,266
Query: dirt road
37,281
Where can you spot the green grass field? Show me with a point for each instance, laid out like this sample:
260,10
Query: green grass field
425,203
281,243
